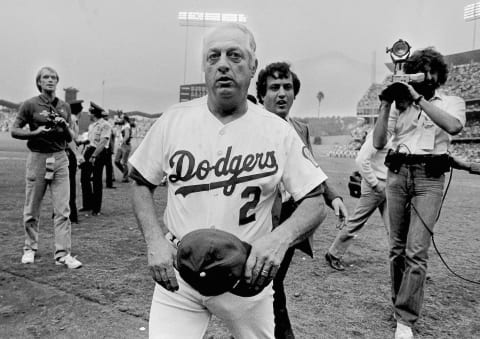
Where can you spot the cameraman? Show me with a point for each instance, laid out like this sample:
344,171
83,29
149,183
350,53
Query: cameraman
421,124
48,119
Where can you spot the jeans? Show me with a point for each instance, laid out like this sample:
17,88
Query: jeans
368,202
408,192
36,186
283,327
121,160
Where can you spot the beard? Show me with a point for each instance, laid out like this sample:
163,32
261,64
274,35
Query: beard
426,88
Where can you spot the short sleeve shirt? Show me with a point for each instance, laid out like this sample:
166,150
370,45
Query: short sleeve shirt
35,112
97,131
126,127
224,175
416,133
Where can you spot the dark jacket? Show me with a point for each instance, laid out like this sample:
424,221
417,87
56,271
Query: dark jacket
281,211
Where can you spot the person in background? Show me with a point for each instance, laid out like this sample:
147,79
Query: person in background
74,159
109,150
370,163
48,119
121,158
99,132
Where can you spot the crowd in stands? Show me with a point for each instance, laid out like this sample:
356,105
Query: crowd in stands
466,151
6,120
344,151
464,81
368,104
471,130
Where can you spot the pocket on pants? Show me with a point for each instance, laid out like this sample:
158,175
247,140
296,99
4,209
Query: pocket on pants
33,168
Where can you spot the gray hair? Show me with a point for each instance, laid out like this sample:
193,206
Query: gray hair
39,75
252,46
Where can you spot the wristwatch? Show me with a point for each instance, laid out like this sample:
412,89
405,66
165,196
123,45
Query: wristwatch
418,99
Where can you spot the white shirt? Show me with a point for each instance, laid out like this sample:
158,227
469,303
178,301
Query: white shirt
371,162
416,133
224,175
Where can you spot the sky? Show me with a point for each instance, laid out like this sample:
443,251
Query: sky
134,55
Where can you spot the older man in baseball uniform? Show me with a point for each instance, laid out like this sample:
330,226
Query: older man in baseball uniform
224,159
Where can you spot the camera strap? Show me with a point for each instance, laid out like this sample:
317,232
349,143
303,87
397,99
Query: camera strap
53,106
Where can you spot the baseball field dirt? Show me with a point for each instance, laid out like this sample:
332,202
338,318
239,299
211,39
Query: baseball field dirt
109,297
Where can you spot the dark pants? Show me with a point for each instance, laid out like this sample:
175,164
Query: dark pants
91,180
72,172
108,168
283,327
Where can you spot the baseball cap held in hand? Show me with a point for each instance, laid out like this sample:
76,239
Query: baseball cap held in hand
212,261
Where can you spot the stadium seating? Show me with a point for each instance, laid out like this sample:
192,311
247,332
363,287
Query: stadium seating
464,81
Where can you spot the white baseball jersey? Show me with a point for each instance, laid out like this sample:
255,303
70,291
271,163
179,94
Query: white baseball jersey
224,175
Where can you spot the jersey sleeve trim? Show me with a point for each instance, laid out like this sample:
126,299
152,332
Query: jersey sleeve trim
140,180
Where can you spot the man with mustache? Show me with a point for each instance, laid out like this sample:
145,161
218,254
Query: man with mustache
421,127
277,87
235,154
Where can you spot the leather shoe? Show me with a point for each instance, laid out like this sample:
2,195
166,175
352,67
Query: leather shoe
335,263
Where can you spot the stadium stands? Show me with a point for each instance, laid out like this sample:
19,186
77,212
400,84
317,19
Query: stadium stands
467,151
464,81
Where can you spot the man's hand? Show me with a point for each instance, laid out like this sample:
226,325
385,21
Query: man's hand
60,121
161,261
413,93
80,159
264,260
340,211
41,130
379,187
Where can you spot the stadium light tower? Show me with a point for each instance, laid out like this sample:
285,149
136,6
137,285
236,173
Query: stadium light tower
204,19
472,13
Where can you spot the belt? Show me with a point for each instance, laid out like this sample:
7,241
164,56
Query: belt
413,159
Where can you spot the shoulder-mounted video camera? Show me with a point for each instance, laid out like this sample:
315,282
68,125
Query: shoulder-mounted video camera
399,53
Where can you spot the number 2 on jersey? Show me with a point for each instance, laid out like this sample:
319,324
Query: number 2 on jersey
249,205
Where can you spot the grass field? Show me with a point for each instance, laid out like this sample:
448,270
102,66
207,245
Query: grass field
110,296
